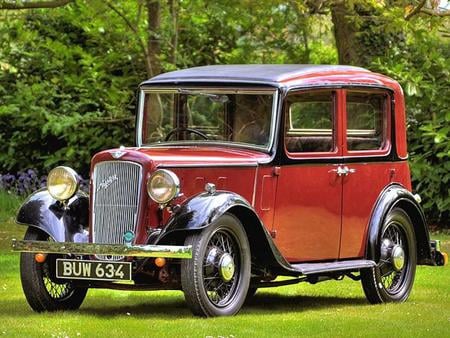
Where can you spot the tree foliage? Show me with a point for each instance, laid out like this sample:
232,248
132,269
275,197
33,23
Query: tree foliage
65,90
421,65
68,74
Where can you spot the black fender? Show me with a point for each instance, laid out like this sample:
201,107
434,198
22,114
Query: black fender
397,196
62,222
199,211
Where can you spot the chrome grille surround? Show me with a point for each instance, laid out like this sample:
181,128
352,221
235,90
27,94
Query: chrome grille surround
115,201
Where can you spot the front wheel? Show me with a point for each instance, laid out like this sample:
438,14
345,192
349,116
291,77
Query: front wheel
393,277
43,291
215,281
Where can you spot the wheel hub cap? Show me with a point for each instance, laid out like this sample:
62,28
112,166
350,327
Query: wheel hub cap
226,267
398,257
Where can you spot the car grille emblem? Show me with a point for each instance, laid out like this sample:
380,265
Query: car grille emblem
118,154
107,182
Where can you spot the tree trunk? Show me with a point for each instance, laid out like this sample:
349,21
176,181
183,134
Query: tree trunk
344,29
360,32
174,14
154,41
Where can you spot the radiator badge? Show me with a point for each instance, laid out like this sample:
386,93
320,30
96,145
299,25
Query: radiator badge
128,237
107,182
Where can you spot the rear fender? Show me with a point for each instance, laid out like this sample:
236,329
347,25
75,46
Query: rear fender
63,223
397,196
204,209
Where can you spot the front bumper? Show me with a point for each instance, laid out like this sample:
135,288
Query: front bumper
166,251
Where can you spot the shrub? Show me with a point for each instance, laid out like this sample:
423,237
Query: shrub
422,68
27,181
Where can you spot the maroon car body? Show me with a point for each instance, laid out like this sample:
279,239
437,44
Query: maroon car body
275,170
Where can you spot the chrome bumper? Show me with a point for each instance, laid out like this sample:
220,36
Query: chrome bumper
167,251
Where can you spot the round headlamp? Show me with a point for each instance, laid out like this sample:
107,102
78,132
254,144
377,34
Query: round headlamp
62,183
163,186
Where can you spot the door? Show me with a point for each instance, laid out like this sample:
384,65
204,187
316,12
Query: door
367,125
307,220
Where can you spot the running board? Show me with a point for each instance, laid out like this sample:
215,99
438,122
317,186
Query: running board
318,268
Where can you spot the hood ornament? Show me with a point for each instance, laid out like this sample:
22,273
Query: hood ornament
118,153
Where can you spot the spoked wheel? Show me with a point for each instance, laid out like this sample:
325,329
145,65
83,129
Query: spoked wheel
215,281
393,277
43,291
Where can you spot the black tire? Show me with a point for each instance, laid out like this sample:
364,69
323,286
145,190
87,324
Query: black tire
41,288
250,294
206,288
386,282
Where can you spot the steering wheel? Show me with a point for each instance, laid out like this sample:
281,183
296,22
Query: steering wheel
190,130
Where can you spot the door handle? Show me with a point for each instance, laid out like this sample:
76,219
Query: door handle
342,171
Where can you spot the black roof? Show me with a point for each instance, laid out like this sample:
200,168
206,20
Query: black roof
258,74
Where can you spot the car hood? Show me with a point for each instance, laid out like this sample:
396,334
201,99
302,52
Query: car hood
185,156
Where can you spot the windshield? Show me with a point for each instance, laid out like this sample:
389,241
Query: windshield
208,116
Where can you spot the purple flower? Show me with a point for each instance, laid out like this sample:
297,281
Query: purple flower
27,181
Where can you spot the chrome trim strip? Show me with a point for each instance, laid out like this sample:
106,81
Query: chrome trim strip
273,122
139,122
255,181
168,251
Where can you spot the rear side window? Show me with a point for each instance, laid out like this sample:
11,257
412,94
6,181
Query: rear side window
366,121
310,122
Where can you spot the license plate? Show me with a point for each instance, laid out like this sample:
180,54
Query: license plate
93,270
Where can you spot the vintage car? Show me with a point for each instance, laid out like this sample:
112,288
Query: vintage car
240,174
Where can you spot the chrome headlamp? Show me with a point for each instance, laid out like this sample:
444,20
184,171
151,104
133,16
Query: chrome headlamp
163,186
62,183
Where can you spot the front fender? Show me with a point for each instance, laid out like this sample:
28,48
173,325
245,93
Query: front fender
64,223
201,210
397,196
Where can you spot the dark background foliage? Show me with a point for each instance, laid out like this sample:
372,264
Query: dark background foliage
68,75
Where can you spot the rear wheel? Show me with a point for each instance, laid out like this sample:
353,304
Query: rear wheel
43,291
393,277
215,281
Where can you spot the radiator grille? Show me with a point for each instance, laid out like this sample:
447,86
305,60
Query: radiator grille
115,200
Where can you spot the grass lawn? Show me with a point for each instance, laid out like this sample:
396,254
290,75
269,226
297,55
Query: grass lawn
331,309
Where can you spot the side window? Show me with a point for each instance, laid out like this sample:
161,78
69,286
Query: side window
366,121
309,125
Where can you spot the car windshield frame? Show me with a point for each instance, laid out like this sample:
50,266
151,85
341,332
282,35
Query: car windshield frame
207,91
